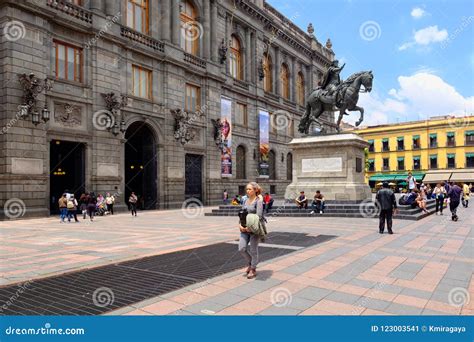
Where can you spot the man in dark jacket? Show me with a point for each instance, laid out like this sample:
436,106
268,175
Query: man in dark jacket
388,205
454,195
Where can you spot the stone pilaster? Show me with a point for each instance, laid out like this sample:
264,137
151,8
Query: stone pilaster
165,20
175,22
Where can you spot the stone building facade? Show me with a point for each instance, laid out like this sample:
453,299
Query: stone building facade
163,55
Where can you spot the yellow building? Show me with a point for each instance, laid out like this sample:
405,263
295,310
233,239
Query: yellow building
438,149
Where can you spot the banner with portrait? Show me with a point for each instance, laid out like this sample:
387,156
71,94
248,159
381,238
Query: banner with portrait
226,136
264,126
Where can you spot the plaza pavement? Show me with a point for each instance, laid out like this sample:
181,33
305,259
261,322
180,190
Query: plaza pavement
426,267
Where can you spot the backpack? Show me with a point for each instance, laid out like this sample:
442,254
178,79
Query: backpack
403,200
70,204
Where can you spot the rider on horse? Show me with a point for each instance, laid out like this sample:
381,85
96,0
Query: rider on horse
331,81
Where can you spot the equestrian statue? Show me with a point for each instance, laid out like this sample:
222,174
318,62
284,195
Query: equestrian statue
333,95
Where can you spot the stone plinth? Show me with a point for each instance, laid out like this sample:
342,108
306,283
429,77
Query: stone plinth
333,164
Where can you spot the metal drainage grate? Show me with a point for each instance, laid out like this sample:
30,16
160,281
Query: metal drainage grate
102,289
296,239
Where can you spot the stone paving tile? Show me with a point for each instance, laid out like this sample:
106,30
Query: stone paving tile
226,299
342,297
371,303
313,293
400,309
163,307
280,311
204,308
417,293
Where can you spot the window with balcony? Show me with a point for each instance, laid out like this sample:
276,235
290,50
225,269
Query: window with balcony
385,145
193,98
433,161
300,85
469,159
451,157
450,139
416,163
433,140
469,138
190,28
371,146
400,163
386,164
137,15
400,144
141,82
416,142
235,58
371,165
68,61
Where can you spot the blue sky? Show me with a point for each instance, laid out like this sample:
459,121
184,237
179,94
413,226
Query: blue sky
421,52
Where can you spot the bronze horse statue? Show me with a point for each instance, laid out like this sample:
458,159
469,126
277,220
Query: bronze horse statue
347,95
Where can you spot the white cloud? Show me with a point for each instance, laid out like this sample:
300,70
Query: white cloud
417,12
419,96
426,36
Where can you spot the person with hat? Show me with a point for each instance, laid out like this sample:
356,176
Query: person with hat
385,199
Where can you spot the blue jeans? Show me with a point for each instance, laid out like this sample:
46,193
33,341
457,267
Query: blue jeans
244,241
318,206
62,213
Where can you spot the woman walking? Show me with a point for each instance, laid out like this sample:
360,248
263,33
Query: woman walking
132,200
440,194
91,205
248,236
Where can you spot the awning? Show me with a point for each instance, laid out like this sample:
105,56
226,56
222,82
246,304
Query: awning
399,138
395,176
450,134
462,177
379,178
436,177
451,155
468,133
416,137
432,135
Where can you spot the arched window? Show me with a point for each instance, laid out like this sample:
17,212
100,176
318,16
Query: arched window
289,166
235,58
241,163
190,28
271,165
285,81
267,71
300,89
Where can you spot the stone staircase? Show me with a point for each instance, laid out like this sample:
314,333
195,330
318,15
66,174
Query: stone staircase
364,209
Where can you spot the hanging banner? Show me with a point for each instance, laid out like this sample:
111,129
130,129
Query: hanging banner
226,136
264,125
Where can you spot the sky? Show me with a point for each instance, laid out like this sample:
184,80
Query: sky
420,52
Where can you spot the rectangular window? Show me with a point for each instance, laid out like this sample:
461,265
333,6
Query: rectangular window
193,98
371,146
141,82
386,164
433,140
450,139
291,128
433,161
416,142
401,163
400,144
469,159
416,163
469,138
137,15
68,61
385,145
371,165
273,126
241,117
451,160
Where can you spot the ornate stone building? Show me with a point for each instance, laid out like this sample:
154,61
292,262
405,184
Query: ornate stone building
120,69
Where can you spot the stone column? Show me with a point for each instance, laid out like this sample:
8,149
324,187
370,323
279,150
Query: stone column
248,56
175,22
309,82
112,7
165,20
206,17
293,80
277,71
96,5
214,43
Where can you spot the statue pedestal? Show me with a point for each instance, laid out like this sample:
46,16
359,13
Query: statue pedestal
333,164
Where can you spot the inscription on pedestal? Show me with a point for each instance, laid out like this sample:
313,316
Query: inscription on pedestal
321,165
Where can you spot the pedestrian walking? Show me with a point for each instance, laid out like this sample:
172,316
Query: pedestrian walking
465,198
91,205
254,228
110,201
225,197
62,203
454,195
267,202
440,194
83,204
388,206
72,209
411,182
132,200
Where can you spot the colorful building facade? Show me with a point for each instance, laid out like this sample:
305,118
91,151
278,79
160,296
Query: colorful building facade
438,149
